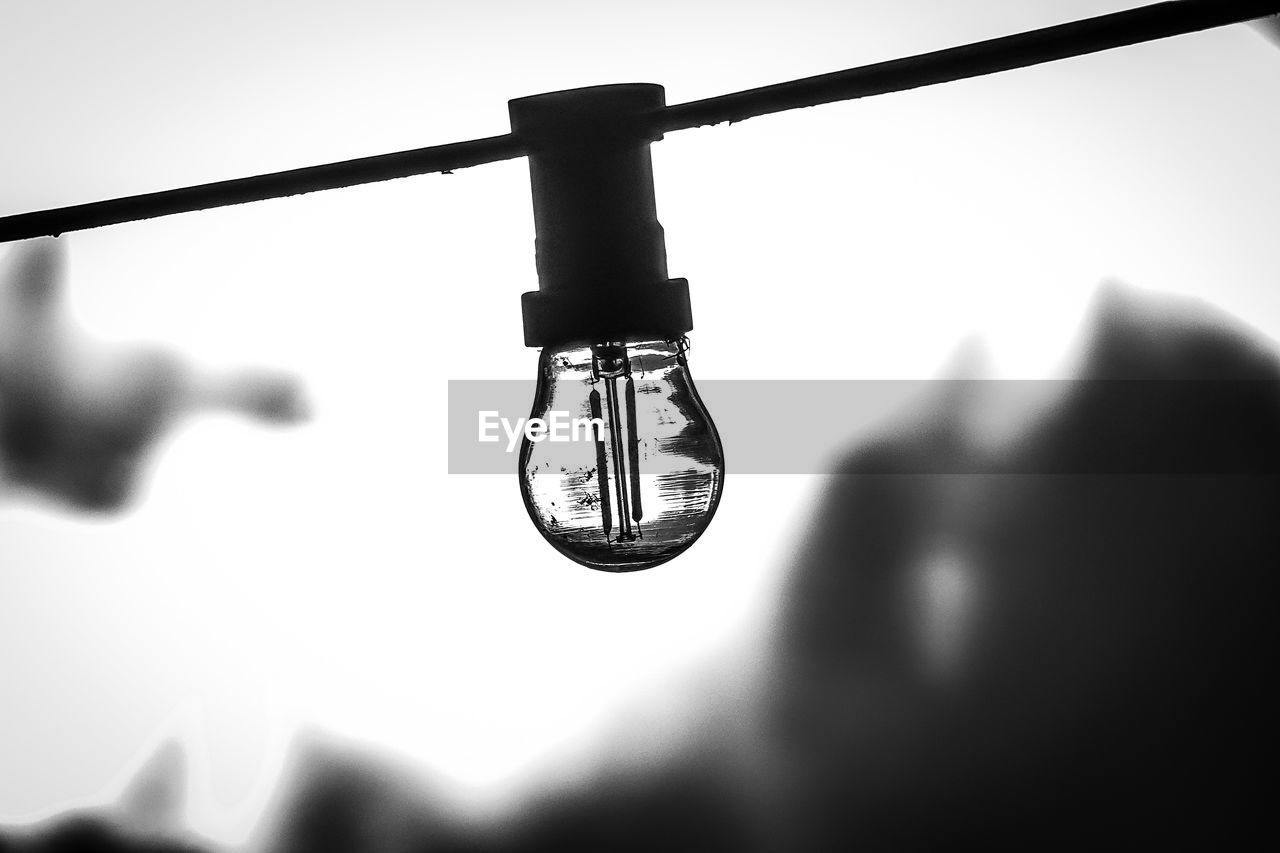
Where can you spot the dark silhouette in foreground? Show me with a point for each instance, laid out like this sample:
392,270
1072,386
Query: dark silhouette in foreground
1108,679
1058,642
78,417
146,819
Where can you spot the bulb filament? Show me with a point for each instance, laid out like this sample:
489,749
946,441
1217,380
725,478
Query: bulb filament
611,366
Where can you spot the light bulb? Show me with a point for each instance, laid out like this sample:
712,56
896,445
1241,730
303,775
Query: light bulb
629,469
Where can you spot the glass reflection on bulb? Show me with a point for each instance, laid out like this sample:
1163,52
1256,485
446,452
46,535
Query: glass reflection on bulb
638,476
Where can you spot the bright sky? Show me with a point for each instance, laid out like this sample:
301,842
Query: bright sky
336,576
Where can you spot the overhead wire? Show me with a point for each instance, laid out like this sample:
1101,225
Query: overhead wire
1091,35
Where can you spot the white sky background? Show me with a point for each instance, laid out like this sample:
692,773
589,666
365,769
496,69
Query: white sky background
336,575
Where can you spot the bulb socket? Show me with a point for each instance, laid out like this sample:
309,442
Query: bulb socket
601,253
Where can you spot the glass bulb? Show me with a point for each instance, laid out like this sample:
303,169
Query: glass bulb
627,468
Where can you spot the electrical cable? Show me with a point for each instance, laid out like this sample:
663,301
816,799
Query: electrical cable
1091,35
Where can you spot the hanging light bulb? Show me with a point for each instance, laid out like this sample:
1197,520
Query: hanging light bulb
635,473
641,479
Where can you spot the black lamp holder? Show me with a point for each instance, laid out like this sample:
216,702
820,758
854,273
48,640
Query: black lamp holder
601,256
